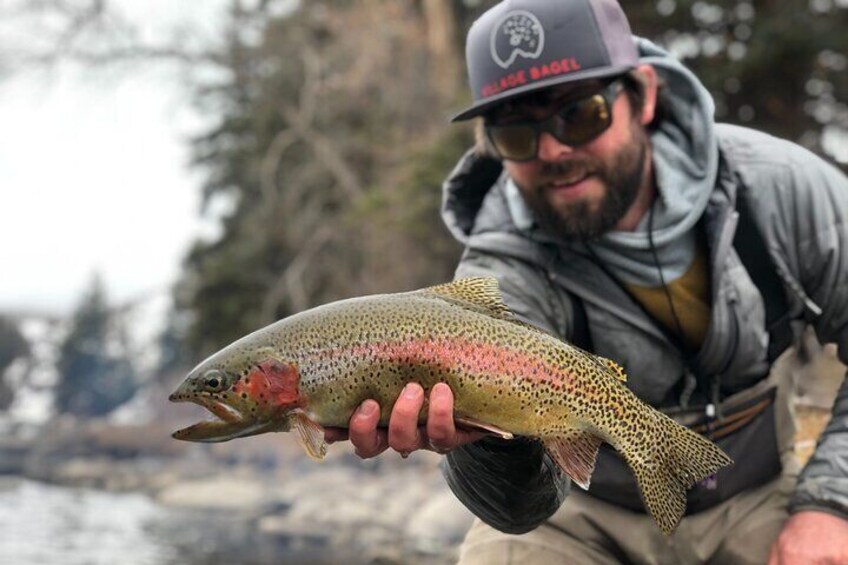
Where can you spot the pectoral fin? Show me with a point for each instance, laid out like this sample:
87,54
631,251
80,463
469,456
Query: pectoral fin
575,452
473,424
311,435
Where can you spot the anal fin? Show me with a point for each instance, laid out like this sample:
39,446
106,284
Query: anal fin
575,452
311,435
473,424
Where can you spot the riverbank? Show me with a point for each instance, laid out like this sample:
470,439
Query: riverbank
258,500
50,524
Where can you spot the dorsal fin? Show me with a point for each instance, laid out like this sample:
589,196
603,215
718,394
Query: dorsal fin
481,294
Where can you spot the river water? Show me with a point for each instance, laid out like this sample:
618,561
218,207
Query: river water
43,524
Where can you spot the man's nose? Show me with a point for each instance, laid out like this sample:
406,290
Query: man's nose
551,149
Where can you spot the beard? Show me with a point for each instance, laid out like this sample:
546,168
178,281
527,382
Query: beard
578,221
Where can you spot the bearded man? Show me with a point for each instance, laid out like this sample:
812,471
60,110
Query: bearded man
617,215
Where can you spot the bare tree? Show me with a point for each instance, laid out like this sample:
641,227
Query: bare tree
442,43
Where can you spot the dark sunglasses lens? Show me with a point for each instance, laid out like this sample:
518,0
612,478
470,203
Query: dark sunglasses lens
575,124
516,143
583,120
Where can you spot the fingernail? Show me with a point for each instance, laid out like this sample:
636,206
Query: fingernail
439,391
367,409
411,391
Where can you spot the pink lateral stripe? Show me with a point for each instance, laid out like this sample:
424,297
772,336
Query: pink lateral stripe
473,357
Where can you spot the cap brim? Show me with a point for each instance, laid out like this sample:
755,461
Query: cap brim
482,106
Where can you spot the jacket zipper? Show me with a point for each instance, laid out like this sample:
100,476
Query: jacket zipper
722,249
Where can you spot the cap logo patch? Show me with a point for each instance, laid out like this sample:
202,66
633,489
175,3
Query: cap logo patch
519,33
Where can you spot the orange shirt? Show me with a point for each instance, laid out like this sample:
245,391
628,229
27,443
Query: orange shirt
691,296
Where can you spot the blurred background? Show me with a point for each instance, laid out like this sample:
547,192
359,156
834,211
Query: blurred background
176,174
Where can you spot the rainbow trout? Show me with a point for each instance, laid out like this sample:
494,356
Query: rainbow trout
314,368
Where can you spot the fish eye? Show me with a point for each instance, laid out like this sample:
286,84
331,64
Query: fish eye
214,380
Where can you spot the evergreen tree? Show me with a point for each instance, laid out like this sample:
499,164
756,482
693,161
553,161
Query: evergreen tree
12,346
95,372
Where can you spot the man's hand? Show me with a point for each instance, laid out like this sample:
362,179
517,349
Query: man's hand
403,434
811,538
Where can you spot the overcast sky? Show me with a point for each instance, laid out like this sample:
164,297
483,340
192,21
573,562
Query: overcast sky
94,176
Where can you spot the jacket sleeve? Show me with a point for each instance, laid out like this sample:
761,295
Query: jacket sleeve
812,216
512,485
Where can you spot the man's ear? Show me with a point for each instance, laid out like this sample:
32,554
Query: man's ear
647,77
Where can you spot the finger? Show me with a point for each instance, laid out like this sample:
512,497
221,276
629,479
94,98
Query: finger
332,435
404,436
772,558
775,557
441,430
366,439
468,436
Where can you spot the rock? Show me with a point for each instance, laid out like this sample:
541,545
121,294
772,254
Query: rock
86,472
246,495
282,527
339,496
13,453
440,523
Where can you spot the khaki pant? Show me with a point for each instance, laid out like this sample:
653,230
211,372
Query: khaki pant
586,530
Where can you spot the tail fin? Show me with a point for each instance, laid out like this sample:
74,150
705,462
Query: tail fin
677,460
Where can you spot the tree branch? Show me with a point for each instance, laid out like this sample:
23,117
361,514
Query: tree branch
290,283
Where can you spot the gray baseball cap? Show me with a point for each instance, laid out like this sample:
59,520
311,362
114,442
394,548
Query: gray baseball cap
520,46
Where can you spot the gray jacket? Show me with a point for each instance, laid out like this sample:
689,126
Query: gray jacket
800,204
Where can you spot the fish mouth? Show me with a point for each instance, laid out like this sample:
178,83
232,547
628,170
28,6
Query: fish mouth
212,403
226,422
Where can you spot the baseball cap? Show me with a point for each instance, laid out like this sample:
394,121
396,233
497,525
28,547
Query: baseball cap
520,46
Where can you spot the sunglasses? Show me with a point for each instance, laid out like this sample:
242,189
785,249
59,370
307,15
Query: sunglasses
574,123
